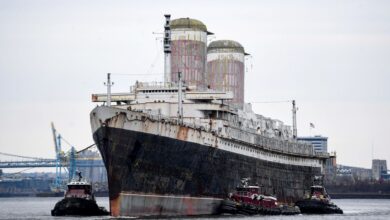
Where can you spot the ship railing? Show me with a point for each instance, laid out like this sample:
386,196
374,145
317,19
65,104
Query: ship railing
152,85
164,118
191,122
160,117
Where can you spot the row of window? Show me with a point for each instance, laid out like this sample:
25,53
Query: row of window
249,149
159,91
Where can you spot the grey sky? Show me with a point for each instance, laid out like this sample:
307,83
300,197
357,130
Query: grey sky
331,56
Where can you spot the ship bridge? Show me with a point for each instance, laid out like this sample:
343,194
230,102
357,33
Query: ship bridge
162,99
146,92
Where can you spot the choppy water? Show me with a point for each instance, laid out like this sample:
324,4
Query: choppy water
39,208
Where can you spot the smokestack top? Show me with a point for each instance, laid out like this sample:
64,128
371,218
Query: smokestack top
188,23
230,45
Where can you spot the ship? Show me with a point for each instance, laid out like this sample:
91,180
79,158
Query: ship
318,200
78,200
178,147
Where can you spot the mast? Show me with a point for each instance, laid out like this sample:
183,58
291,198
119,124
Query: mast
108,84
167,48
179,101
294,111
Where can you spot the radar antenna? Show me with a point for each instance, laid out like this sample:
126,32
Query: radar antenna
167,48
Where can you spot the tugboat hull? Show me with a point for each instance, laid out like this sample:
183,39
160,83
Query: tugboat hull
310,206
232,207
78,206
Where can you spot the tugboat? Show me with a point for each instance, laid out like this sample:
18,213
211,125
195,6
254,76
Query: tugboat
248,200
318,202
78,200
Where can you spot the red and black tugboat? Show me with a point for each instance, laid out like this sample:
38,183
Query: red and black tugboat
248,200
79,200
318,201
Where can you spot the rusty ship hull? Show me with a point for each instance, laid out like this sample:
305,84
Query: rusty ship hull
158,174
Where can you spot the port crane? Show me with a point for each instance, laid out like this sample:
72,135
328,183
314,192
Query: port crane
64,162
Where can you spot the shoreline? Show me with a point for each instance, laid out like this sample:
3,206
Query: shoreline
332,195
44,195
359,196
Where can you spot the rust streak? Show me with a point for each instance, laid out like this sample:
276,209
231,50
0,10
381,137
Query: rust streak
189,206
182,134
114,206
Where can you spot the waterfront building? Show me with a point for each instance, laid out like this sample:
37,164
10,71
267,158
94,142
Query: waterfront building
320,143
379,167
95,174
331,168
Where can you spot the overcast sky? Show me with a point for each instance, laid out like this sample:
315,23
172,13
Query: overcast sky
332,57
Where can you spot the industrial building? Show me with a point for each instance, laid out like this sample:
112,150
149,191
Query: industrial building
93,173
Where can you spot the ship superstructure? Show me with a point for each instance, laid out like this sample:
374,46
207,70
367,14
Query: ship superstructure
205,111
178,147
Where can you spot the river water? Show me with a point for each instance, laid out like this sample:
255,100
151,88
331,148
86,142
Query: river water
39,208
